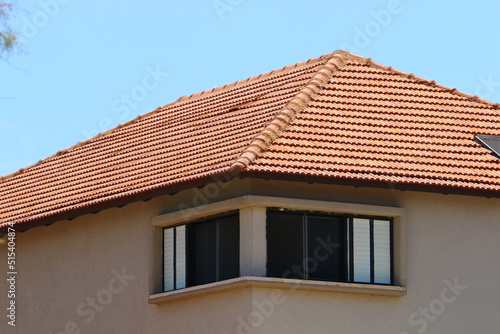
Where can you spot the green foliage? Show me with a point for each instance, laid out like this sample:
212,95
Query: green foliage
8,39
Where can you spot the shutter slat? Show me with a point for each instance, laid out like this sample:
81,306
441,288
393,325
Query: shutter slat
361,250
168,259
382,249
180,256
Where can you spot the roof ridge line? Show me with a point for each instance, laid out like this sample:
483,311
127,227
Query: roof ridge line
254,77
261,142
161,107
421,80
345,54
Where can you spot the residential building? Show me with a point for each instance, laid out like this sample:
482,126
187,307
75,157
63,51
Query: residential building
335,195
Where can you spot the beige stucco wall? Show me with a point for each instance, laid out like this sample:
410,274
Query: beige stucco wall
61,268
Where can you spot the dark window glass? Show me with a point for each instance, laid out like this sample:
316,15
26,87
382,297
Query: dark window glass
202,254
325,248
228,248
285,250
212,252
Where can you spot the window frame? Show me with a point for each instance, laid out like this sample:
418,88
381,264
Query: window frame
253,263
350,257
188,248
348,262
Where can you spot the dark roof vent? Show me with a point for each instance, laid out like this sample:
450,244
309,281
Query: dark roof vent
490,142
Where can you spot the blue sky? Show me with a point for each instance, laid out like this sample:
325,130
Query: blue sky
88,65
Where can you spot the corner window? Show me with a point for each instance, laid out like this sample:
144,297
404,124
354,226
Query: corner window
201,252
329,247
272,241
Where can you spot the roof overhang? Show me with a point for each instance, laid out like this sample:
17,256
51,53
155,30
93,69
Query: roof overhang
93,208
72,213
374,184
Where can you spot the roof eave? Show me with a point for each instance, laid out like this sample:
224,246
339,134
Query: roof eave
119,201
446,190
172,189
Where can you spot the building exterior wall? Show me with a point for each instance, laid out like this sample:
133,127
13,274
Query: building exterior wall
92,274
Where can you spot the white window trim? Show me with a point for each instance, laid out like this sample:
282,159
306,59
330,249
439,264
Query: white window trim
252,245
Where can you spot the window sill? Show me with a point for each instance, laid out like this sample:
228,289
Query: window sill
277,283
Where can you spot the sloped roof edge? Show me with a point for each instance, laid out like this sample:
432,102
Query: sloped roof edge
421,80
179,99
337,60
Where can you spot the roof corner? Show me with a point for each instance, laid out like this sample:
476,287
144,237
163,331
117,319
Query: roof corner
284,117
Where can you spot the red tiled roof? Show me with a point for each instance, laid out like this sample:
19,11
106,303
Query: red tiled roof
336,116
370,122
